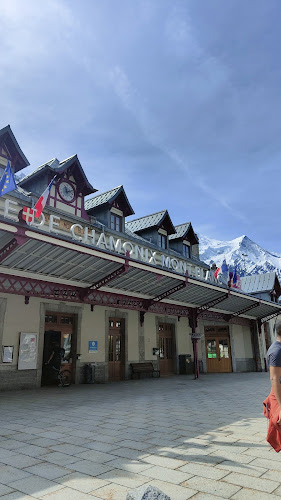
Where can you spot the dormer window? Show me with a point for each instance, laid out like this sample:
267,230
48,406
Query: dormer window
115,222
162,239
116,217
186,250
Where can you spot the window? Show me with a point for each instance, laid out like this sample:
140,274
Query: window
115,222
50,318
186,251
162,240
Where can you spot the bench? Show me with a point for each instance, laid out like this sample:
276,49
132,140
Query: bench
144,368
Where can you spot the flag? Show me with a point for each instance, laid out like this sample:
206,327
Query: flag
224,268
28,214
234,281
7,182
221,273
217,272
39,206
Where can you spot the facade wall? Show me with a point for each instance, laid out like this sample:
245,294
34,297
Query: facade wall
17,317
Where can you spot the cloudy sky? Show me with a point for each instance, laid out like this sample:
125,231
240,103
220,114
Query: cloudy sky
178,100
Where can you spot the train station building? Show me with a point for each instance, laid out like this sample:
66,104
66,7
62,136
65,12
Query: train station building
111,291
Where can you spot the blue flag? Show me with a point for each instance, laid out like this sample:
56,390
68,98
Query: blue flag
224,268
235,276
7,182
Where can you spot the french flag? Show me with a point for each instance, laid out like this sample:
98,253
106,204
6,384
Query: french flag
217,272
40,204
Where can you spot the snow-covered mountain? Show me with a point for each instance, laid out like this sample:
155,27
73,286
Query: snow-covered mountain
248,256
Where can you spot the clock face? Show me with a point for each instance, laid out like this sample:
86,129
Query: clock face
66,191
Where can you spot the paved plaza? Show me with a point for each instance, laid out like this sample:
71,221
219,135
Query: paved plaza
201,439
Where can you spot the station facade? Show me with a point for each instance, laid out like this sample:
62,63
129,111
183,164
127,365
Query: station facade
111,291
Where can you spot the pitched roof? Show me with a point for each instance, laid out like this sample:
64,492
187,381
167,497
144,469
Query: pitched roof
58,167
109,197
19,159
181,231
259,282
153,220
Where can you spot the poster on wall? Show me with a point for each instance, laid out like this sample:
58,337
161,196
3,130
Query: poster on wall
7,353
27,351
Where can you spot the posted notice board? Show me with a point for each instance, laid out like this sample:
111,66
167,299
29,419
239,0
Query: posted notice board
27,351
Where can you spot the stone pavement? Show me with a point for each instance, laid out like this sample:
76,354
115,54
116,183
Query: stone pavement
201,439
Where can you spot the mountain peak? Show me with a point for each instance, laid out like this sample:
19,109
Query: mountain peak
241,252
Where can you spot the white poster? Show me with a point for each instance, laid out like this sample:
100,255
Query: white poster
27,351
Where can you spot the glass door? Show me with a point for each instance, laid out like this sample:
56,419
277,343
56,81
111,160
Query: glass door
218,351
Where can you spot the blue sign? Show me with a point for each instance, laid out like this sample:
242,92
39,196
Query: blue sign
93,345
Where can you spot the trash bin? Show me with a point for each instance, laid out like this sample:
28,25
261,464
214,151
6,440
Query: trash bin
184,361
89,373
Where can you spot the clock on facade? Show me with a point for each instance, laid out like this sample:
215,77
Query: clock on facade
66,191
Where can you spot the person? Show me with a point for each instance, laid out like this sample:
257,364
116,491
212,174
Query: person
274,364
56,357
272,404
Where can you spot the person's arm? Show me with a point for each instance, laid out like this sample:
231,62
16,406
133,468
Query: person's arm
275,374
51,357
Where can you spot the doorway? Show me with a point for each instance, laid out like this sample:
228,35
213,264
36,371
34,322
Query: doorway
218,351
116,350
166,349
59,329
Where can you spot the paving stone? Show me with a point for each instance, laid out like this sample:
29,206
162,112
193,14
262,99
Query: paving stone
32,450
10,444
19,461
35,486
66,494
95,456
135,445
203,471
89,467
206,496
17,495
47,470
175,492
111,492
81,482
249,494
129,453
254,483
58,458
218,488
165,474
248,469
4,490
130,465
124,478
69,449
8,473
98,446
272,475
44,442
164,461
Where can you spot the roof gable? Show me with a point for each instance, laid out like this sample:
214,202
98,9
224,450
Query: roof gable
185,232
257,283
10,144
55,167
114,197
157,220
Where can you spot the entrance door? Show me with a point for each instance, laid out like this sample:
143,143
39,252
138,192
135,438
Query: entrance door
59,329
218,349
116,350
166,349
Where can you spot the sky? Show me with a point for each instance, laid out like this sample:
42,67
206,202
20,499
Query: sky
178,100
